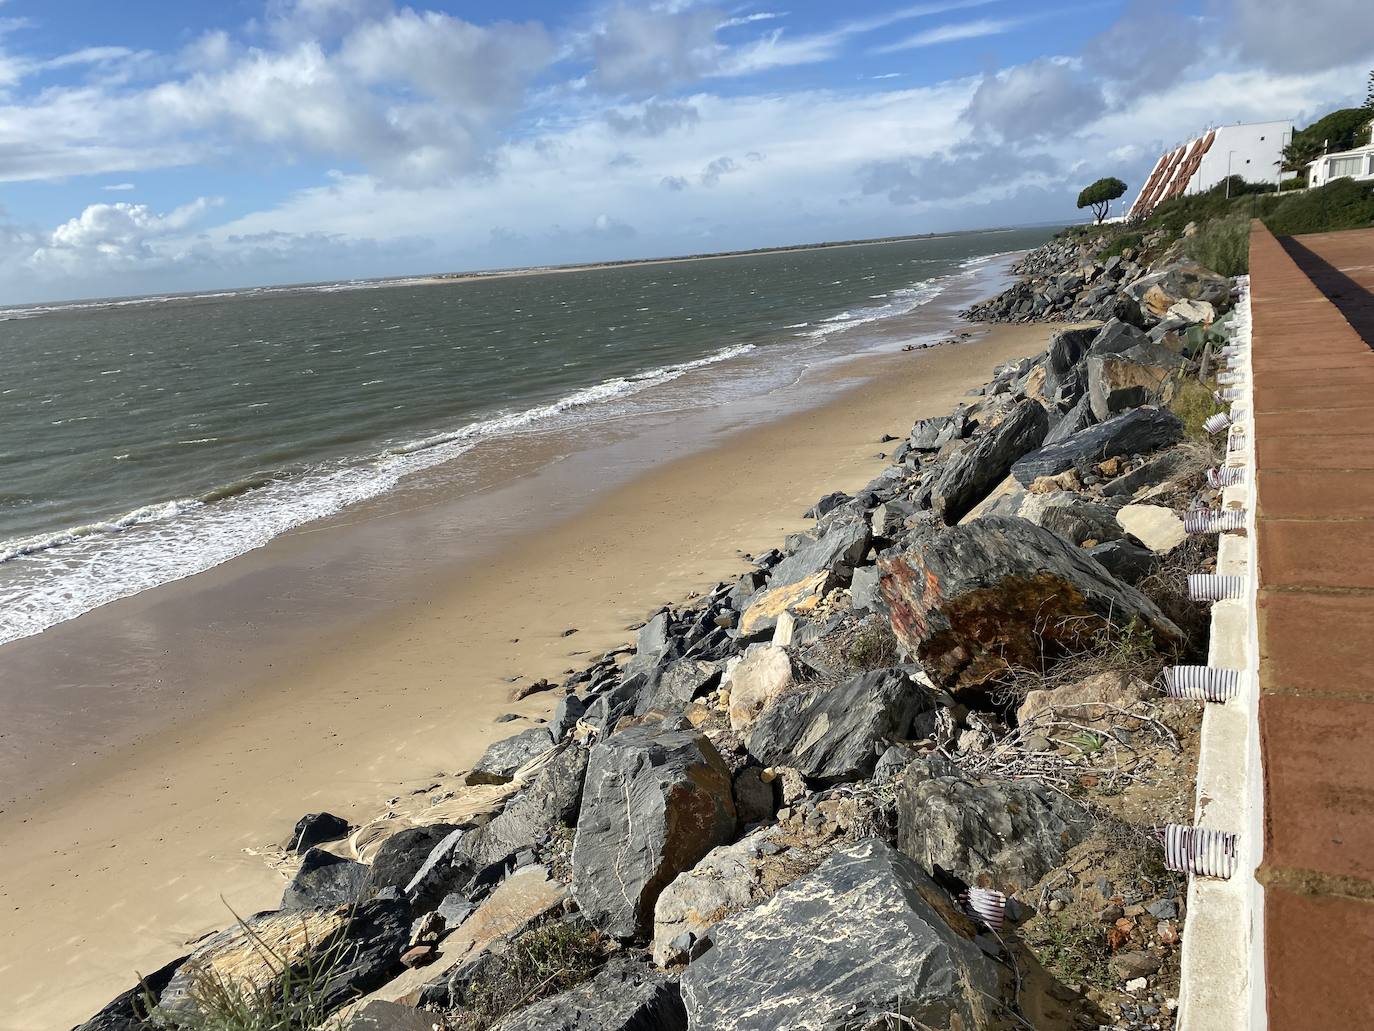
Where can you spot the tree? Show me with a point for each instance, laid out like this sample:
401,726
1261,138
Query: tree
1099,196
1369,94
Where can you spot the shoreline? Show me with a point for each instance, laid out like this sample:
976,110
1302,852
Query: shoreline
378,709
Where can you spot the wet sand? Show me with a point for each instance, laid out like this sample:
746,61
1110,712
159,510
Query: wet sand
260,718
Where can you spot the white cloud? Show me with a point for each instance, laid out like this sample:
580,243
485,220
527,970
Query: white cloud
1300,35
954,32
1044,98
117,187
115,236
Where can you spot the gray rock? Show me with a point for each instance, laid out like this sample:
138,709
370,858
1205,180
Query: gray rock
565,716
1126,560
1131,433
401,856
650,644
720,885
926,433
1153,471
971,475
836,551
1002,591
1159,291
1066,350
623,996
389,1016
654,803
754,800
830,735
1117,336
863,590
454,909
548,801
315,829
502,758
1073,516
325,881
827,504
1079,417
671,688
126,1011
865,938
1136,376
999,834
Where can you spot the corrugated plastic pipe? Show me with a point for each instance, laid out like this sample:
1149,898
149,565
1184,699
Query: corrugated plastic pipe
1201,683
1215,587
1204,520
1202,851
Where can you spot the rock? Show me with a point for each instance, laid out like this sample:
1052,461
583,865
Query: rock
1156,527
835,553
863,590
972,474
1079,417
1136,432
325,881
999,834
829,735
719,886
1001,591
125,1012
650,644
763,673
1115,337
1138,376
1193,312
314,829
1158,292
802,596
1066,350
389,1016
926,434
654,803
454,910
419,956
1163,909
565,716
623,996
550,800
1127,561
864,940
754,799
1086,699
1151,472
502,758
1129,965
250,955
672,687
400,857
1072,516
827,505
534,687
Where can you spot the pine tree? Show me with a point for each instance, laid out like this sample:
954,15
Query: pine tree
1369,93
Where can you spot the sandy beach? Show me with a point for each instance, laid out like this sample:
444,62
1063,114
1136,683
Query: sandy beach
116,867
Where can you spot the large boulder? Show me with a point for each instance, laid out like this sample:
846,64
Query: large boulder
315,829
502,758
1067,347
1074,517
722,884
655,802
401,856
757,677
866,940
126,1011
1085,700
1132,433
971,475
1001,834
765,607
1001,592
830,734
1159,291
670,688
1128,379
252,954
550,800
623,996
835,551
325,881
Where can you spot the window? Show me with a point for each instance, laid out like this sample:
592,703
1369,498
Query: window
1337,167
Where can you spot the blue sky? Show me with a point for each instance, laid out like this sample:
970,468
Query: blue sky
155,146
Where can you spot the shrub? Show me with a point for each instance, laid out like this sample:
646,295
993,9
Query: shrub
1194,404
873,647
1342,204
1223,245
1120,243
1298,182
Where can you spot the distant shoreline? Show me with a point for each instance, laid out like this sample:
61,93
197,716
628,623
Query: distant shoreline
541,270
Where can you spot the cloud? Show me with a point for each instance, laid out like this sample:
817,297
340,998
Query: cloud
622,160
652,50
954,32
1300,35
675,183
118,187
1173,47
1045,98
966,172
711,174
654,118
115,236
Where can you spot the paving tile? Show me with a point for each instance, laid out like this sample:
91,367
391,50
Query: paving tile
1315,494
1302,553
1317,953
1325,451
1313,643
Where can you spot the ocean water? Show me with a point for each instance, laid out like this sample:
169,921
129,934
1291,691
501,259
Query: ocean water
147,439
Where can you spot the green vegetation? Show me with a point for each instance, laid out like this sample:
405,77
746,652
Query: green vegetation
1340,130
873,647
1100,195
1121,243
1194,404
542,962
1222,245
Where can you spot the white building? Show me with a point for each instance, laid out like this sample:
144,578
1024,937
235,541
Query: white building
1352,164
1251,151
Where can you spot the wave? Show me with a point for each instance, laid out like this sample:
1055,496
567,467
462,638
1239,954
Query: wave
105,560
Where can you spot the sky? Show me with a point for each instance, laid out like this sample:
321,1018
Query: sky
153,146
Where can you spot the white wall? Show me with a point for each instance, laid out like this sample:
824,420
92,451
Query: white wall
1253,151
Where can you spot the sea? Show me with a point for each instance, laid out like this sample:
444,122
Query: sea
146,439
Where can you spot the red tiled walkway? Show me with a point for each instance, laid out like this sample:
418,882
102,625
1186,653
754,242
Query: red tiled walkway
1312,299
